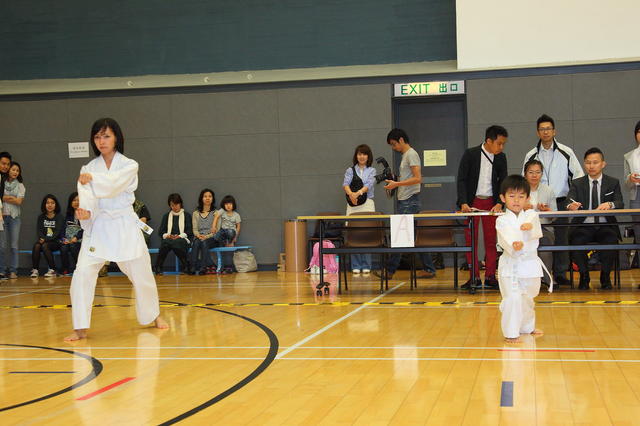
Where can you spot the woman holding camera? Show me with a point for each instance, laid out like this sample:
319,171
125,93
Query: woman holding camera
359,180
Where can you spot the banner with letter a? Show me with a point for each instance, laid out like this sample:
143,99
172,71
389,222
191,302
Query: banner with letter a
402,230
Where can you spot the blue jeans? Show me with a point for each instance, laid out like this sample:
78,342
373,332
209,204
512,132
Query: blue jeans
224,236
200,256
410,206
361,261
10,235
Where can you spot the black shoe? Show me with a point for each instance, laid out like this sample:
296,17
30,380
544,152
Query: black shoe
584,282
491,282
470,282
378,274
158,270
559,280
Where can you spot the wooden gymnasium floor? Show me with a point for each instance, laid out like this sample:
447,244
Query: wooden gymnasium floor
243,349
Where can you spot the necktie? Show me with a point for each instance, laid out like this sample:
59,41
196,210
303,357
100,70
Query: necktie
594,199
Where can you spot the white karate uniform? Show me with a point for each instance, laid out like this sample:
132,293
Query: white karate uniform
112,233
519,271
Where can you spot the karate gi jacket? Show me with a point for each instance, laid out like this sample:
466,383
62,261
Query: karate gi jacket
525,262
112,233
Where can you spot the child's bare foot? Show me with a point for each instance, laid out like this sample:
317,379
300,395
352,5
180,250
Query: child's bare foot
161,323
512,340
76,335
537,332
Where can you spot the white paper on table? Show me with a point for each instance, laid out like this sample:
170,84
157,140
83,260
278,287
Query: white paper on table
402,230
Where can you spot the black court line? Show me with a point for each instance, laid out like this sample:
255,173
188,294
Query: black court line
271,356
95,372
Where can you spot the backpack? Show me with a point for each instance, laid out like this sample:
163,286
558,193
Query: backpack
244,261
329,260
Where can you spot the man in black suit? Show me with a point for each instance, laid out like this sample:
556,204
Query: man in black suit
482,170
595,191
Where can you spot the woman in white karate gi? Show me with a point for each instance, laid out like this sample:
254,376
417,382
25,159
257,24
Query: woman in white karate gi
111,230
520,268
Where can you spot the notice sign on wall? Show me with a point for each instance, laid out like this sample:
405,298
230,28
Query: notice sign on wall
428,88
78,149
435,157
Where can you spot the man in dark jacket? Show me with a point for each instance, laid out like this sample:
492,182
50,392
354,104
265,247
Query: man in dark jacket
596,191
482,170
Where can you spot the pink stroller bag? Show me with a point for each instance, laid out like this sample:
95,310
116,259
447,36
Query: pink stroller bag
329,261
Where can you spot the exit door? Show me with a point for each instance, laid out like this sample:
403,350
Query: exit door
435,124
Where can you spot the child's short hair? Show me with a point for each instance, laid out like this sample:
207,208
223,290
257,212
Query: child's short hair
43,205
515,183
175,199
228,199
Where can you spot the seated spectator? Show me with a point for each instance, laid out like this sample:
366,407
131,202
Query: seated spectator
71,236
541,199
11,208
176,232
49,228
202,233
595,191
227,222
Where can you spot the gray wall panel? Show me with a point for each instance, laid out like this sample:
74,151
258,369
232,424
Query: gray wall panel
613,136
226,156
226,113
516,99
606,95
300,152
138,116
33,121
334,108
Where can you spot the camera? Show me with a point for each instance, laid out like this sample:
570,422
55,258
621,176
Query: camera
386,173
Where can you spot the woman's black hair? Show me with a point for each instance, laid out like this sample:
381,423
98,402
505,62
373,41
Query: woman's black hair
70,210
15,163
201,203
637,129
363,149
43,205
175,199
107,123
533,162
228,199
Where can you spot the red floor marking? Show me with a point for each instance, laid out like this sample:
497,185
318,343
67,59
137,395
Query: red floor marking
546,350
104,389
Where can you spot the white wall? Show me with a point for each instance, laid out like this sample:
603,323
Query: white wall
517,33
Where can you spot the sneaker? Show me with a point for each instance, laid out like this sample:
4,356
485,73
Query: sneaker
366,271
425,275
13,275
3,277
51,273
356,271
34,273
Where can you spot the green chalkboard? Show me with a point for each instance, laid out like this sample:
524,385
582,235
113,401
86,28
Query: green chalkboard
74,39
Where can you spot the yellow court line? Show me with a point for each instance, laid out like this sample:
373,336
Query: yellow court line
338,304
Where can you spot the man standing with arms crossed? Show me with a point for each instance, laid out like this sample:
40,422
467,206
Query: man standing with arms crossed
561,166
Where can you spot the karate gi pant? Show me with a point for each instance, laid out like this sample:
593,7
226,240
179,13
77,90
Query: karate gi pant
517,305
83,286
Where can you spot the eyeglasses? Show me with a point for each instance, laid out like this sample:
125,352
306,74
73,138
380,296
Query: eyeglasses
545,129
532,172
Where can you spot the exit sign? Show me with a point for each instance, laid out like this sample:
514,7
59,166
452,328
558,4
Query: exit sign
428,88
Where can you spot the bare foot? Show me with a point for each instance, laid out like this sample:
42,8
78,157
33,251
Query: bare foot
512,340
76,335
537,332
160,323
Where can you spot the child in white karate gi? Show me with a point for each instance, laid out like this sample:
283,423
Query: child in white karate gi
111,230
520,268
